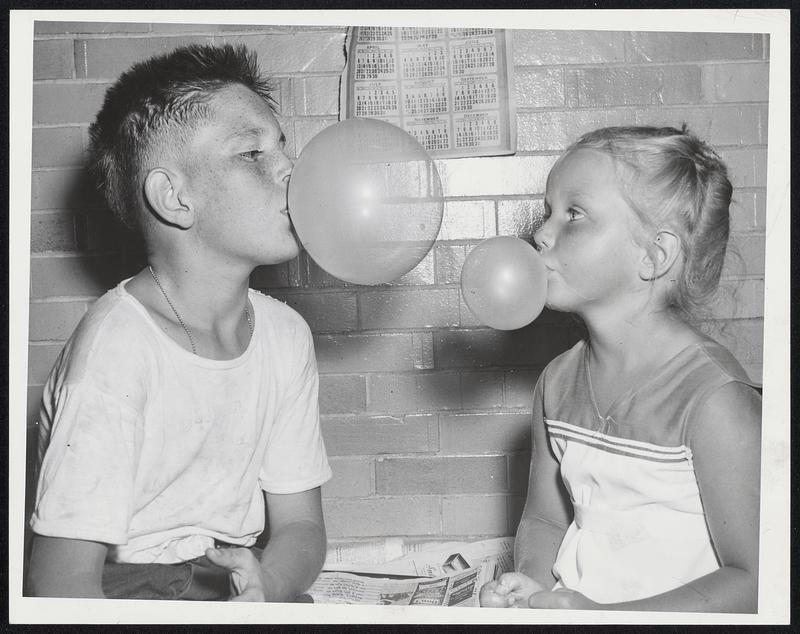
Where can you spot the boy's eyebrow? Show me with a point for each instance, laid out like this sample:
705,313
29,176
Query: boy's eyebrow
255,132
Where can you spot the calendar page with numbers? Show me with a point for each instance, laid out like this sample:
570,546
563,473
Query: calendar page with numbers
449,87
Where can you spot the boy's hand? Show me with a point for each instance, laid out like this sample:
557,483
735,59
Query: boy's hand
562,599
247,580
509,590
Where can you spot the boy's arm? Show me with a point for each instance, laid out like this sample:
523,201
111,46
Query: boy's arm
293,556
547,510
61,567
726,449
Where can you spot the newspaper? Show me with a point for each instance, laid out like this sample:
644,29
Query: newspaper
442,574
451,88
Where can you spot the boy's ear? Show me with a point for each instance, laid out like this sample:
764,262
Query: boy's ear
662,255
165,193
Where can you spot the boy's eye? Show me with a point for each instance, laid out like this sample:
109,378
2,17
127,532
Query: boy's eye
251,155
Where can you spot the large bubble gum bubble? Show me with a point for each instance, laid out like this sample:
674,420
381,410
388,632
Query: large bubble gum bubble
504,282
366,201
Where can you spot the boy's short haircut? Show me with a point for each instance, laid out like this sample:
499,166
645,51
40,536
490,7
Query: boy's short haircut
152,107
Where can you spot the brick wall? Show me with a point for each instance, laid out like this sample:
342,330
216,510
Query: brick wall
426,414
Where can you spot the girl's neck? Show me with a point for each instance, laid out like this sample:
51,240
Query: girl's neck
639,340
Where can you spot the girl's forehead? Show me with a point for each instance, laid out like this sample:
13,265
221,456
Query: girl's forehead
583,167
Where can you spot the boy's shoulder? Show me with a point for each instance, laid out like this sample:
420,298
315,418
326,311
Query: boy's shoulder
280,317
566,362
113,330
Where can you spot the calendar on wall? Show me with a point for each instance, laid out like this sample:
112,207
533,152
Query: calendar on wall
451,88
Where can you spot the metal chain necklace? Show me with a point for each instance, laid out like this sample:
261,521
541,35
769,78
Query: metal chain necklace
180,320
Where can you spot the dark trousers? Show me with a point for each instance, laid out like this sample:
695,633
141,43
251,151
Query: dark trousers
194,580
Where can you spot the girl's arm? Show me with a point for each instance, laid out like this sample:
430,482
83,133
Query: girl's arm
547,511
726,445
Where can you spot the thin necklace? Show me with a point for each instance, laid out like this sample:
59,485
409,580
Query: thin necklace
178,316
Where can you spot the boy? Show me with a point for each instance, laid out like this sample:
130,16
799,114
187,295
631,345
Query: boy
182,393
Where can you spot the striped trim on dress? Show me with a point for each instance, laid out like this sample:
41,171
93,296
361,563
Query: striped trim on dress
620,446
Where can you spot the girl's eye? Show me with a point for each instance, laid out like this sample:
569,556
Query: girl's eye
574,214
251,155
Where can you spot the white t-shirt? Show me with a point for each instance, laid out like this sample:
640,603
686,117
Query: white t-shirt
156,451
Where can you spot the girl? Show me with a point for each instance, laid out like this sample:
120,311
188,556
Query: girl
644,480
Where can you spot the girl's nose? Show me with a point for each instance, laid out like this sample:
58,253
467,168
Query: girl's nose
543,236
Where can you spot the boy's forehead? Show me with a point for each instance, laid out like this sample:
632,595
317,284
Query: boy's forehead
237,110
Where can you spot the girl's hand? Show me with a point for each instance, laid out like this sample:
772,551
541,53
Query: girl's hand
509,590
562,599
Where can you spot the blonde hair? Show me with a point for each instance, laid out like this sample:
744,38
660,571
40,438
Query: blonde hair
674,180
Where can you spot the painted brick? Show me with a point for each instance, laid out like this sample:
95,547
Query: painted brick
408,309
52,59
264,278
539,87
600,87
109,58
441,474
516,504
342,394
54,321
746,214
316,95
352,477
520,217
718,125
467,219
739,299
475,515
53,28
419,392
481,390
58,147
282,94
171,27
364,353
533,345
743,337
736,82
646,46
41,358
370,435
422,274
307,129
34,399
382,516
496,176
423,350
62,189
749,251
101,231
519,465
449,262
542,131
518,388
52,232
746,167
62,103
296,52
73,276
535,48
485,433
324,312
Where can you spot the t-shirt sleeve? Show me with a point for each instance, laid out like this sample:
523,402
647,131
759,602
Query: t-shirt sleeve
295,459
86,477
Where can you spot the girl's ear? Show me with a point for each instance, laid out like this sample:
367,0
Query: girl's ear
663,253
165,193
